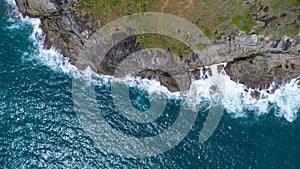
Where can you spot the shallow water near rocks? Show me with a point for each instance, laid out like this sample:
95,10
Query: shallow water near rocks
40,128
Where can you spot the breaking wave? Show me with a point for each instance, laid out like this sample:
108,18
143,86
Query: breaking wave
237,99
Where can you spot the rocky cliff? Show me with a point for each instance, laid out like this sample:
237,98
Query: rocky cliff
250,61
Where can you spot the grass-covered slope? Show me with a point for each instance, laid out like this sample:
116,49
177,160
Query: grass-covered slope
214,17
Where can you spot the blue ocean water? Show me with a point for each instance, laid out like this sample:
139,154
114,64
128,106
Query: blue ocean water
40,128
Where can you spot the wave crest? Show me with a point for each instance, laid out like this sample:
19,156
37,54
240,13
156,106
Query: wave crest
238,100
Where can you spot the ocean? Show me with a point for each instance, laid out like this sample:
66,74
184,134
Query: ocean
45,102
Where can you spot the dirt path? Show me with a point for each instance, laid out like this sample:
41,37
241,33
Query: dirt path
164,5
186,7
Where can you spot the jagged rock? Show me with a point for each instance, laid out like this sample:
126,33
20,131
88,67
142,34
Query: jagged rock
250,61
261,69
35,8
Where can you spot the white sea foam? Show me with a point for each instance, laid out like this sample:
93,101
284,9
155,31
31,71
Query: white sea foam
14,13
51,57
236,97
239,101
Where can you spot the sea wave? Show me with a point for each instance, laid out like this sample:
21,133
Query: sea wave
237,98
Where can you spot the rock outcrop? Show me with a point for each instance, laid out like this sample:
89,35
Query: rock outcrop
250,61
277,61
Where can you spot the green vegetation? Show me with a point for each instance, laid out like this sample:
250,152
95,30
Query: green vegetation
207,32
213,17
165,42
109,10
244,23
283,26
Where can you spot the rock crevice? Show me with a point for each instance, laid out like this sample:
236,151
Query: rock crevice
250,61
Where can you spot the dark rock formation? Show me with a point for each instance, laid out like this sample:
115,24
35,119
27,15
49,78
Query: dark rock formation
250,61
261,69
277,61
37,8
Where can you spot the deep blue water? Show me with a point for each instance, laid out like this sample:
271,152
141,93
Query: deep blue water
40,129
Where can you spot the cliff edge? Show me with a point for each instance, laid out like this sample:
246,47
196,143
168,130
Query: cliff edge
251,60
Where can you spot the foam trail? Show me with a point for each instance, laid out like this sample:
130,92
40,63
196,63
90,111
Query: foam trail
51,57
14,13
237,98
239,101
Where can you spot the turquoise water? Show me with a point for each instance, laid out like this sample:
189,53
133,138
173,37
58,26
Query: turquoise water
40,128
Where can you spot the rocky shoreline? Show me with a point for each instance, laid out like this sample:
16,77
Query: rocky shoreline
250,61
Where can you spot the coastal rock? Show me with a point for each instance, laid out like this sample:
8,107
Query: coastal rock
35,8
261,69
250,61
258,64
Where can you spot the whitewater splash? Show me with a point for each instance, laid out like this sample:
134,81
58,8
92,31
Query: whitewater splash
237,98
